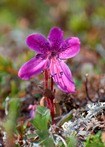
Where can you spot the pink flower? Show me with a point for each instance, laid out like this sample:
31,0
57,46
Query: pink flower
51,53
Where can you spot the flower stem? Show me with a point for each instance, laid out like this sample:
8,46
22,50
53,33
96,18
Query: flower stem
50,105
52,84
48,93
46,77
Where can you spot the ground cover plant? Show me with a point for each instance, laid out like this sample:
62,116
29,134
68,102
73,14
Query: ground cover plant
52,81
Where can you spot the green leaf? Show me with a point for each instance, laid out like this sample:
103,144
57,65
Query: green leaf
41,122
94,141
45,138
42,118
29,136
72,141
10,123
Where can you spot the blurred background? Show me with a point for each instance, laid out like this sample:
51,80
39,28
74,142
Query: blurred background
84,19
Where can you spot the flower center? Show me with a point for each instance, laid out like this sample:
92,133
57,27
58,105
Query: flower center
53,54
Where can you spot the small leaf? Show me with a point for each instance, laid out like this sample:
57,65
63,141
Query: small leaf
29,136
42,118
94,141
45,138
72,141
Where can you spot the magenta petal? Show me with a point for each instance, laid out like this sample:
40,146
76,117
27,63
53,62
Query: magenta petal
33,67
62,76
70,48
55,37
38,42
66,70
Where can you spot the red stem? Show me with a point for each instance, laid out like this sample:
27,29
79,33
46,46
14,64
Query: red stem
50,105
49,101
52,84
46,76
